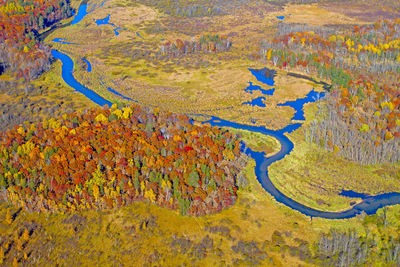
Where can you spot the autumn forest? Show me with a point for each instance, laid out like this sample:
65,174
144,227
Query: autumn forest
109,158
362,117
21,49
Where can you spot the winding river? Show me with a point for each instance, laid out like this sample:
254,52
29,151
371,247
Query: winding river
369,204
68,77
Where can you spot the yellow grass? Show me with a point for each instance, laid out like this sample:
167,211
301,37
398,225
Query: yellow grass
314,15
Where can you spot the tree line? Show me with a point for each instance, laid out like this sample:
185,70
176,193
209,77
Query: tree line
206,43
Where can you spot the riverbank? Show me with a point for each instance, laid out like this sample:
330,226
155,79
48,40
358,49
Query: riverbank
62,24
258,142
316,177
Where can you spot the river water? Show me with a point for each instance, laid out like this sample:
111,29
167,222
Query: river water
369,204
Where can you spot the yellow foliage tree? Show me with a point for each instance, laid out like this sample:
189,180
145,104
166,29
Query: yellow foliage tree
21,131
142,186
1,255
177,138
388,135
364,128
101,118
127,113
269,53
150,195
54,124
228,154
9,217
19,244
336,149
25,235
118,113
96,192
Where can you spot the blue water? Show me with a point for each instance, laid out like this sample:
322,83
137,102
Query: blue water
82,12
256,102
63,41
116,31
105,21
121,95
253,87
264,75
138,34
352,194
68,77
289,128
298,104
280,17
369,205
89,66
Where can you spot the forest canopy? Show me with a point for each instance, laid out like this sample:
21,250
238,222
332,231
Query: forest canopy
106,158
21,50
